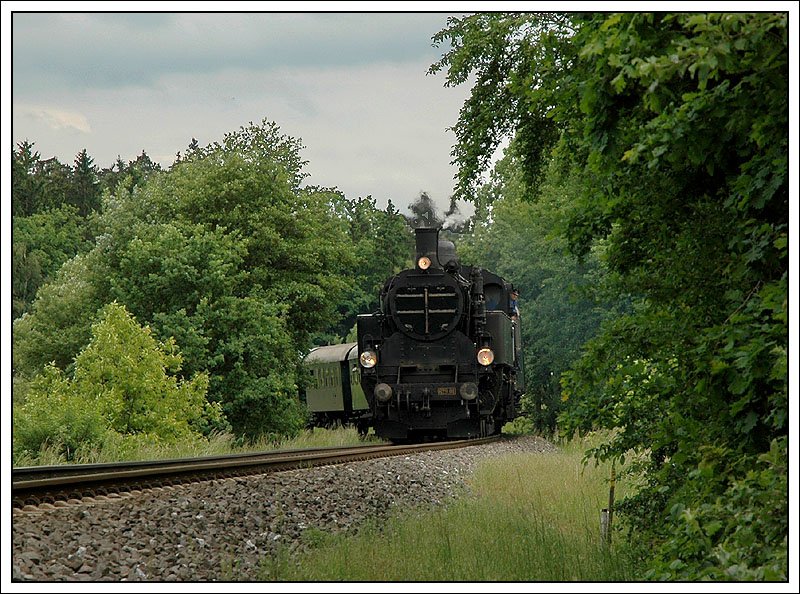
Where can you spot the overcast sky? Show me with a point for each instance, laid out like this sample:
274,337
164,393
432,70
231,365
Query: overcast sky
352,86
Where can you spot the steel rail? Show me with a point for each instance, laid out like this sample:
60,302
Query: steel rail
27,473
78,481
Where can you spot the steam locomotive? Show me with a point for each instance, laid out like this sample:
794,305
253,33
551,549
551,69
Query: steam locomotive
441,359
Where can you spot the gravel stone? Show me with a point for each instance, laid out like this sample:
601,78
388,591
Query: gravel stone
222,529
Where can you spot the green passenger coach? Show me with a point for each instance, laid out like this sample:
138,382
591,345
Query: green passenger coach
334,393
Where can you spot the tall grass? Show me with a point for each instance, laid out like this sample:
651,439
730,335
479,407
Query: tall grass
320,437
118,449
531,517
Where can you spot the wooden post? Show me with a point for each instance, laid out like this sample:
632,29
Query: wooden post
607,514
611,500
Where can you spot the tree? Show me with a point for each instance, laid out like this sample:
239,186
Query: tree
26,276
42,242
676,123
109,178
86,191
261,142
517,237
56,188
221,253
382,245
25,187
511,57
59,322
47,230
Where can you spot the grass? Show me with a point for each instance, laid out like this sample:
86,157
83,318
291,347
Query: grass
319,437
118,450
530,517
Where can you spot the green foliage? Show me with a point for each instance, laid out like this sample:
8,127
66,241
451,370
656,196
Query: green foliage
510,55
39,185
382,244
126,176
223,254
516,237
86,190
59,323
740,535
123,383
42,242
53,416
25,186
522,425
260,143
51,203
675,125
128,373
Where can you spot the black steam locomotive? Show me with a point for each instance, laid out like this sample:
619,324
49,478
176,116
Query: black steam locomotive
442,357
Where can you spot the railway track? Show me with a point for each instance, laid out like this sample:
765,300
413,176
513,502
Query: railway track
36,485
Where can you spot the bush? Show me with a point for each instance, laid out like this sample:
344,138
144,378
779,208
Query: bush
519,426
742,535
54,417
121,386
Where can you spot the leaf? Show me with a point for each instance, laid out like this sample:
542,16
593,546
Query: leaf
718,366
713,527
750,420
611,22
737,406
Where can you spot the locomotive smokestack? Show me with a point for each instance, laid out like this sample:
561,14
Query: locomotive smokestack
427,247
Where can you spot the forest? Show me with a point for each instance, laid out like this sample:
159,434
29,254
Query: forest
641,208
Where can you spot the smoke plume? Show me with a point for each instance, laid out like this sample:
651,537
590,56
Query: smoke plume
423,213
454,219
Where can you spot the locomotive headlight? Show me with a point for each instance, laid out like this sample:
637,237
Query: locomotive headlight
424,262
485,356
368,359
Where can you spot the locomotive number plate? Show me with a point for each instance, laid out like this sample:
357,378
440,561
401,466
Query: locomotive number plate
451,391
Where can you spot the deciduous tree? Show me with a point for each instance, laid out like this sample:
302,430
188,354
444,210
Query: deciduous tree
677,125
222,253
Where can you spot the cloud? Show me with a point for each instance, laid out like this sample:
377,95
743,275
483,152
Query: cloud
55,119
86,50
352,86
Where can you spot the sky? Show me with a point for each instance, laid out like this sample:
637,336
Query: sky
353,87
